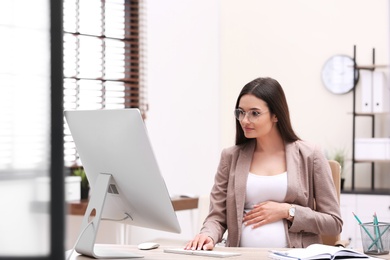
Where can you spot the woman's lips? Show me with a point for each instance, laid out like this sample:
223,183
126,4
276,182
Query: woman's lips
248,129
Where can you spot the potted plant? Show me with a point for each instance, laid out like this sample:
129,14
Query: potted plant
84,192
339,156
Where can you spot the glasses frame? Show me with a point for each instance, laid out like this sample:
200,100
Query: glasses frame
253,114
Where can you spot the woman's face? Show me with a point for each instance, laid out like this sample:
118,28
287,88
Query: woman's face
255,119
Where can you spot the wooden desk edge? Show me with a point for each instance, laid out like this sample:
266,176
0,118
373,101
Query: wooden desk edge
79,207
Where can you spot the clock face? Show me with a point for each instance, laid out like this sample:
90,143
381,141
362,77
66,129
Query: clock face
338,74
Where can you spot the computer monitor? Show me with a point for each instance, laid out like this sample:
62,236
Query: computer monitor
126,183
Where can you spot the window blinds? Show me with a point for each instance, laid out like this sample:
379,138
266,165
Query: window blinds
103,59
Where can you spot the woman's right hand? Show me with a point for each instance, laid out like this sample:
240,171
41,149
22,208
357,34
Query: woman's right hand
200,242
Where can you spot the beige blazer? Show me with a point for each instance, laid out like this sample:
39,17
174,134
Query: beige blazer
309,179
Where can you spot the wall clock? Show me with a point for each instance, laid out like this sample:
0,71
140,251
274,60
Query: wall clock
338,74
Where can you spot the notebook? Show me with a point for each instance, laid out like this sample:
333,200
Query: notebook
211,253
318,251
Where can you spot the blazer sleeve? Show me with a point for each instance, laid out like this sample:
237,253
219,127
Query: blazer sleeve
324,218
215,223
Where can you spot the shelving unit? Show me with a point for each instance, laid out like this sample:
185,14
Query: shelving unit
357,114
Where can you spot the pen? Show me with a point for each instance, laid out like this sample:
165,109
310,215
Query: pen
377,233
361,224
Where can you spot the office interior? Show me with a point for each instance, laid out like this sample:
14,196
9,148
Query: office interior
199,55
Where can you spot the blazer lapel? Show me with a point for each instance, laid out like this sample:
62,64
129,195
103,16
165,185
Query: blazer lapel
241,176
292,161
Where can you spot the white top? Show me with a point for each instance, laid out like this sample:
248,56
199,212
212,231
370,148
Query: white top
260,189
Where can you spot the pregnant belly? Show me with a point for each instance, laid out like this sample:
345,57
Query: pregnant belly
270,235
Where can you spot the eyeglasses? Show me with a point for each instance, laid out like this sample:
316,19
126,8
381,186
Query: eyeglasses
253,115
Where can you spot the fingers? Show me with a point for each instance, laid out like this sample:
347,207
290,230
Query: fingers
256,209
191,245
209,245
200,242
258,224
259,215
251,215
255,222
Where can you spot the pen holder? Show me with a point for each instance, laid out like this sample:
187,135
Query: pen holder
375,238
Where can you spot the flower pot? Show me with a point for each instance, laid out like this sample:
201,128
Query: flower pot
84,193
342,184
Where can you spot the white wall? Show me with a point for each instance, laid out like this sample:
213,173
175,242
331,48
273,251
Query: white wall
290,41
183,94
202,52
183,90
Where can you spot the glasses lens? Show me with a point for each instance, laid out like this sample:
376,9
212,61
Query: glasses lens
253,115
238,113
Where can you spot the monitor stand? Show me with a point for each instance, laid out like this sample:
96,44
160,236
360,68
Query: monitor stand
90,225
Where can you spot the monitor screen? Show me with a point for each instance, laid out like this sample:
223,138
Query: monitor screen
126,183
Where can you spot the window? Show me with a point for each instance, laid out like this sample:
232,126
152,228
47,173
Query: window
103,59
28,70
24,88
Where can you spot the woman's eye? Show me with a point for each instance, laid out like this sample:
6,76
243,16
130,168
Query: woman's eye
255,113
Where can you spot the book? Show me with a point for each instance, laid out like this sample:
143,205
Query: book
317,251
211,253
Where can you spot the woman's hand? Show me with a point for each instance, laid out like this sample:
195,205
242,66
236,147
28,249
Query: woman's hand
265,213
200,242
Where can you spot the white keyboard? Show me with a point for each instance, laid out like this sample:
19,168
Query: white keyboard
212,253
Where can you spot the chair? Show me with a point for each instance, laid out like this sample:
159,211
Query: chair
336,172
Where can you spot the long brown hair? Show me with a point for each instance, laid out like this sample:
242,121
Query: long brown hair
270,91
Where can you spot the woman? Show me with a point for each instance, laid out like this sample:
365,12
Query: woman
271,189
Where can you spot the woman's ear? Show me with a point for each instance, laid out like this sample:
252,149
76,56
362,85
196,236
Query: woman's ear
274,118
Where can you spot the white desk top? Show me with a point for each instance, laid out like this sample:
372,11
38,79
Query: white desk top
154,254
246,253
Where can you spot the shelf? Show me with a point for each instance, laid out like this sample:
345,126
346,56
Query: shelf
370,67
355,114
367,191
372,161
373,114
79,207
370,114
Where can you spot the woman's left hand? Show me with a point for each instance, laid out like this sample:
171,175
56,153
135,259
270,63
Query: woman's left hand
265,213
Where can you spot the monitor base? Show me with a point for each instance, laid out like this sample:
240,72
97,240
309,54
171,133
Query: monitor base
107,251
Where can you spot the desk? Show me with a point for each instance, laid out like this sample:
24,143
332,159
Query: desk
79,207
112,232
246,253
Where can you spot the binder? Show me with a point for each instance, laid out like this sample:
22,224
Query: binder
380,93
367,89
372,148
